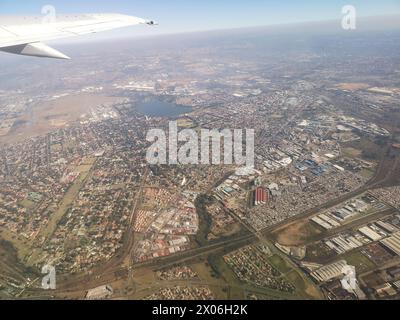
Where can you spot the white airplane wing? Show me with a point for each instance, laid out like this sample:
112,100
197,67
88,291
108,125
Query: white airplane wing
24,36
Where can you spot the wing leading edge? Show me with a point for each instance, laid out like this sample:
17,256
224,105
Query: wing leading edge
26,38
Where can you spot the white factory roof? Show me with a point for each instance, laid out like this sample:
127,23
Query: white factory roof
393,243
330,271
371,234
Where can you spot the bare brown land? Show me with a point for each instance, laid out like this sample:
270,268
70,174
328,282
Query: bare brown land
296,233
353,86
55,114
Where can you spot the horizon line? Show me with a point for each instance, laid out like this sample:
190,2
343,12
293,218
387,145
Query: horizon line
287,24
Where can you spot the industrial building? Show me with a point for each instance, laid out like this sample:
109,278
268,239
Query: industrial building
335,218
330,271
100,293
260,196
393,243
386,227
370,234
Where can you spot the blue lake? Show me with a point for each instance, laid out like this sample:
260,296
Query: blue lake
158,108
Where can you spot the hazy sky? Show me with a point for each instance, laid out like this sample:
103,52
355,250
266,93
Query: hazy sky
177,16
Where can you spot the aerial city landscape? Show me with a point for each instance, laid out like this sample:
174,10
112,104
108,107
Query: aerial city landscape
77,193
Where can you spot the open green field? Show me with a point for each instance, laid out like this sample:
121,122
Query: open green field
185,123
296,280
367,173
305,290
238,288
281,265
27,204
221,269
319,253
351,152
21,244
205,220
359,261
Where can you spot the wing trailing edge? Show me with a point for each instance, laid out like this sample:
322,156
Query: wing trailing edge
36,49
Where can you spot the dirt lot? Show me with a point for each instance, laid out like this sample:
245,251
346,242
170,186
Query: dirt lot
296,234
353,86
